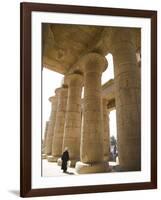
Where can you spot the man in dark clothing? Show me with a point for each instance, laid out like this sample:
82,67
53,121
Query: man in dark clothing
64,158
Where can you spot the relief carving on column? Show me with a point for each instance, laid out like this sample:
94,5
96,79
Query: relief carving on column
72,129
128,100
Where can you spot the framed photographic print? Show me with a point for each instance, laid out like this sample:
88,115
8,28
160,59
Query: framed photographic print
88,99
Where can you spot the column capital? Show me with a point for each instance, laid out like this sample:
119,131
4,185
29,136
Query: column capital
122,38
74,79
52,98
93,62
61,90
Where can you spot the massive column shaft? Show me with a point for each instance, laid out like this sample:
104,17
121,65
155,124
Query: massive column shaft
92,157
45,137
127,87
51,125
73,117
106,131
59,124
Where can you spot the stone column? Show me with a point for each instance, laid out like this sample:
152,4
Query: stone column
128,110
92,156
51,125
59,124
73,117
44,140
106,130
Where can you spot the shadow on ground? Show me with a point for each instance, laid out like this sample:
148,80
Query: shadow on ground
70,173
15,192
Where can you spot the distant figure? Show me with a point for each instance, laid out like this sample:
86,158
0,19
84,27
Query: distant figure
114,152
114,149
65,158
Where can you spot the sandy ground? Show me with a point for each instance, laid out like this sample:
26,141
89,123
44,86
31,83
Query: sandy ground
50,169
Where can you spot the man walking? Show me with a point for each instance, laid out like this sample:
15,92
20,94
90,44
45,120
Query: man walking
65,158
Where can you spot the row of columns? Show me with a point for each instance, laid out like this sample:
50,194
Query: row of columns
88,141
58,131
86,145
72,129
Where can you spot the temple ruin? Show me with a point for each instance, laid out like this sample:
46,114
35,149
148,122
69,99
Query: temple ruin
78,52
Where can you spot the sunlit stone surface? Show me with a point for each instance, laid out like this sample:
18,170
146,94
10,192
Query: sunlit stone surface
128,110
51,125
72,130
57,141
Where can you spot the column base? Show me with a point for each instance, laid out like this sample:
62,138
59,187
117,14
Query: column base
52,158
71,163
84,168
127,169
